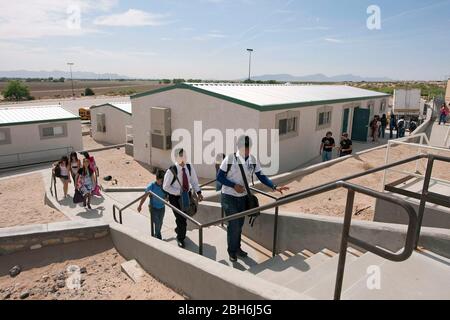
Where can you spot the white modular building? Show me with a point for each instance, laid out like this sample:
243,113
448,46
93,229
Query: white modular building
35,134
111,122
303,114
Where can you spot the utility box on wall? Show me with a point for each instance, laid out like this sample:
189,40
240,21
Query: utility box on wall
161,134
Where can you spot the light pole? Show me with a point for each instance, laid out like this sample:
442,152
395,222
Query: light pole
249,63
71,77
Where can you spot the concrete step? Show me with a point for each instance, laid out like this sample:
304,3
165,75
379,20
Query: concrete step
423,276
315,275
354,271
280,267
215,248
281,271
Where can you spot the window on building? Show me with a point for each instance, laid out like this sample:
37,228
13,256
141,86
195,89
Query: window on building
287,123
5,136
383,106
48,131
324,116
101,122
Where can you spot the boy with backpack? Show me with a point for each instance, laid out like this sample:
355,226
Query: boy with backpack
179,179
156,206
235,172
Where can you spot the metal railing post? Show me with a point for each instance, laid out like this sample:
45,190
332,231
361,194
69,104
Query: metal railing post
200,241
423,198
344,244
152,227
275,233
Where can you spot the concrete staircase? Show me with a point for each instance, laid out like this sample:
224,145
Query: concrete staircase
423,276
215,247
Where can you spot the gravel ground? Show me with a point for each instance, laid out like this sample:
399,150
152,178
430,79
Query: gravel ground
22,202
45,271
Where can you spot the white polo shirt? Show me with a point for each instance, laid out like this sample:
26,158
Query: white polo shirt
235,176
175,188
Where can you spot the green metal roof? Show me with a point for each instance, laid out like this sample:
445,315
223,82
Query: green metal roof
275,97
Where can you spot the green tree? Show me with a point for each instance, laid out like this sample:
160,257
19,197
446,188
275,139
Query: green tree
89,92
16,90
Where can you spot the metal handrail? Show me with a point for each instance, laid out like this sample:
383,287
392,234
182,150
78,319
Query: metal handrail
414,221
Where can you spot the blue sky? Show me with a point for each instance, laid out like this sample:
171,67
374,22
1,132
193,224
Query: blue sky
207,38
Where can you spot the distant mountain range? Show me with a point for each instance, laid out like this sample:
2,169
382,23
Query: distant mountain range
56,74
59,74
319,77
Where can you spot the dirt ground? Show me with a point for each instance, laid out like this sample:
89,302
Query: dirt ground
22,202
45,271
333,203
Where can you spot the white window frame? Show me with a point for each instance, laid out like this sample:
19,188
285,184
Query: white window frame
328,111
42,127
290,116
7,133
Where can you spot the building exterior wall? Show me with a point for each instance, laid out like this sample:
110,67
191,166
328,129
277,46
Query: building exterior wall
186,107
26,140
116,121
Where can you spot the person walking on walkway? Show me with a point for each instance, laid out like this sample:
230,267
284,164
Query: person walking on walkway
443,114
75,165
61,170
382,128
156,206
86,182
345,148
392,126
326,147
178,181
401,127
235,172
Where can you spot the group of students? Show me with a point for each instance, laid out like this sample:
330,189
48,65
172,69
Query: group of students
180,181
378,127
327,145
83,174
443,114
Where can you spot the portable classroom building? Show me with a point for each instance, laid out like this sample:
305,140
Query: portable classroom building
302,113
109,122
31,135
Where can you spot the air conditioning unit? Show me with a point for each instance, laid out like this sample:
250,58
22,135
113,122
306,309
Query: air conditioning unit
161,128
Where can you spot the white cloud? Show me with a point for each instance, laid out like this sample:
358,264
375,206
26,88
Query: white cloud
132,18
24,19
333,40
210,36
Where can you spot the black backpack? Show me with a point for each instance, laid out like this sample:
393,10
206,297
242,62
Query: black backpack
175,171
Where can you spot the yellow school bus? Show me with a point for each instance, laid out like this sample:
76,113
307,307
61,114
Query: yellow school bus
85,114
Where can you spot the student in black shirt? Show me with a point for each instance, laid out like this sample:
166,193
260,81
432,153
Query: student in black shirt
346,145
326,147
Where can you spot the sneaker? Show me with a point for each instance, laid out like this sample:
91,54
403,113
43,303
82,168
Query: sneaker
241,253
233,257
89,207
181,243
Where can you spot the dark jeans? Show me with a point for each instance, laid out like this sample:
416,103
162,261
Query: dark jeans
179,219
381,131
232,205
157,218
442,118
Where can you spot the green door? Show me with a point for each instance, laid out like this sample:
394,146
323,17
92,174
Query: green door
345,120
360,124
